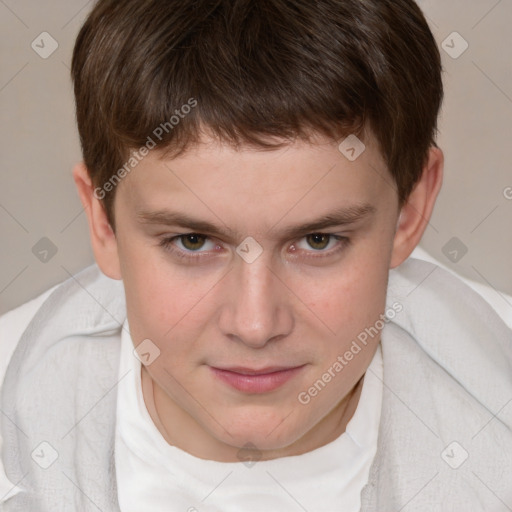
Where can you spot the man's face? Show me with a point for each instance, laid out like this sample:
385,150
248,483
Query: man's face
300,303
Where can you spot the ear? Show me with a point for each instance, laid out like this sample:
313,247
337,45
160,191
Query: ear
417,210
103,239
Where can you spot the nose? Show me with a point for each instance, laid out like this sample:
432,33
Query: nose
257,305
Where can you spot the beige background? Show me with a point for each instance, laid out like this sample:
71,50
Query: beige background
39,145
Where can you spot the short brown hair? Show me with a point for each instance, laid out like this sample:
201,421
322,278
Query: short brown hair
260,72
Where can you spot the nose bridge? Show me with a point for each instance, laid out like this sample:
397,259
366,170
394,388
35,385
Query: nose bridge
256,281
256,310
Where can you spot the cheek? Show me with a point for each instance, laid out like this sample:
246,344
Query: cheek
350,305
344,302
155,299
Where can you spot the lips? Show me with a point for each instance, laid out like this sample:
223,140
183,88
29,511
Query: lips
250,371
251,380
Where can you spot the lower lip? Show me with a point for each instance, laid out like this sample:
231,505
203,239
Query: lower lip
257,383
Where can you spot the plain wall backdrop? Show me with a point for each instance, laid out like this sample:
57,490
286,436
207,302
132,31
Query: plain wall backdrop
44,231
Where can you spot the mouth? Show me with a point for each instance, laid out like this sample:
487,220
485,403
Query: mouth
250,380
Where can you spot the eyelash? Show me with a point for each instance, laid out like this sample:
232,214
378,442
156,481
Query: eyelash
167,245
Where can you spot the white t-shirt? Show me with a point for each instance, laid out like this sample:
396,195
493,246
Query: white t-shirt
154,476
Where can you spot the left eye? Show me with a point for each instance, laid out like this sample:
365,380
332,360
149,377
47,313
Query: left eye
318,241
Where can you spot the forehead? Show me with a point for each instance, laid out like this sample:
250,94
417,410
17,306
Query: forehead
217,181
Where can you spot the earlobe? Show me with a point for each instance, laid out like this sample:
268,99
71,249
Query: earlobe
103,239
416,212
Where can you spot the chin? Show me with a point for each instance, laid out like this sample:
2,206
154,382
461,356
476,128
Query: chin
275,432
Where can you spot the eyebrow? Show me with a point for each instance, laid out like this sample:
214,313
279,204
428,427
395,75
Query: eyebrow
339,217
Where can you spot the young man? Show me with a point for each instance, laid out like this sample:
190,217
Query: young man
254,335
